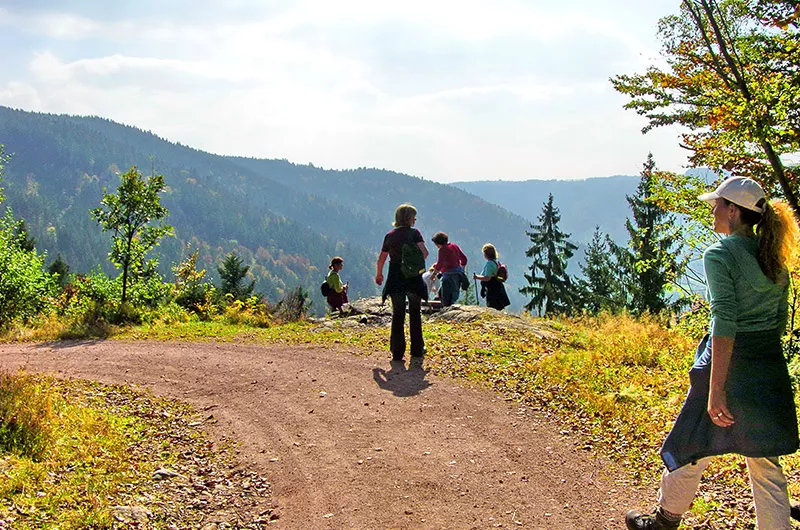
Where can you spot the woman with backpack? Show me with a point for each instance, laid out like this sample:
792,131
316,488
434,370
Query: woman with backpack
405,248
337,292
492,287
740,396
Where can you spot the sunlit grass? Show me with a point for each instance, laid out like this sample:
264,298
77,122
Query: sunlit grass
91,458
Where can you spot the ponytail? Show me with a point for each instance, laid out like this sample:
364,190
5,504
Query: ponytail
778,237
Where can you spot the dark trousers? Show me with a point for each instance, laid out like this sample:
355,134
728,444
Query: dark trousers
451,285
397,342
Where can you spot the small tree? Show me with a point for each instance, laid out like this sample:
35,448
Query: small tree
470,296
600,286
191,292
549,286
23,238
130,214
294,305
232,272
60,270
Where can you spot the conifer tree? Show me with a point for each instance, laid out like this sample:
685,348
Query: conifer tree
549,287
600,287
653,261
24,240
60,270
232,272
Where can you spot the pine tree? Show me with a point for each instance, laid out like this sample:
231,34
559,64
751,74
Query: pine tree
600,286
653,261
231,274
24,241
549,287
60,270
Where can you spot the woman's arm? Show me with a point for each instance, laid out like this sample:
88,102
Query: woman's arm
721,353
423,248
379,272
724,311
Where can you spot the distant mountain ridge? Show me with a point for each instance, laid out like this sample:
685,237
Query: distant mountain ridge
583,204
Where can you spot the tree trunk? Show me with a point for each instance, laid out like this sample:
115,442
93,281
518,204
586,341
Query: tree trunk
124,281
780,175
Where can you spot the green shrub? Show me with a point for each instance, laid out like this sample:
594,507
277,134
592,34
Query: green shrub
25,287
251,312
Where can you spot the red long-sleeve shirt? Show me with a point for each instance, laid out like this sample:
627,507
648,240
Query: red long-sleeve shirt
450,258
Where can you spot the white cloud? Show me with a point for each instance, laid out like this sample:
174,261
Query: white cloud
447,90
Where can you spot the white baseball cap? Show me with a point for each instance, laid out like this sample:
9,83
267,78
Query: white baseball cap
742,191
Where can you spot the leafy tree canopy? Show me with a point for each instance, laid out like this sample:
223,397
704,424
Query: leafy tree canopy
732,79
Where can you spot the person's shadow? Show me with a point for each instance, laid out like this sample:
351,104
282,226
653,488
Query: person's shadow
400,381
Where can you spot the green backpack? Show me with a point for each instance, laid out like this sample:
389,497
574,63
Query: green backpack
412,262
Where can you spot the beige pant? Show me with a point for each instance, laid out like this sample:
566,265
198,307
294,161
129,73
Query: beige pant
771,497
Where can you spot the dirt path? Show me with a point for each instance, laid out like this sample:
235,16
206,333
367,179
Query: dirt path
351,442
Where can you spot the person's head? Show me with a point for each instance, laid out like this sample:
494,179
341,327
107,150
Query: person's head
336,264
739,205
405,215
440,239
489,252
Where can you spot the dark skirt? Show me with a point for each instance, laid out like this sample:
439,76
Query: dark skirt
759,396
337,300
495,293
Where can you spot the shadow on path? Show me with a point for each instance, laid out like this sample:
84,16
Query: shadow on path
400,381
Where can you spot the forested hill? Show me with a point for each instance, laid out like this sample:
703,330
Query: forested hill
284,220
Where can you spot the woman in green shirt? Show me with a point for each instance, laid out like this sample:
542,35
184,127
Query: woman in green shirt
740,399
337,295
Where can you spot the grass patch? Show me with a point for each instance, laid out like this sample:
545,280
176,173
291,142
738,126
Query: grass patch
98,453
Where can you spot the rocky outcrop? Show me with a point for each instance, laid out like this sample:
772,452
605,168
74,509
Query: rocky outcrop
373,312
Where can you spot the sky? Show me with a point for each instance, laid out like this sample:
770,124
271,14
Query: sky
440,89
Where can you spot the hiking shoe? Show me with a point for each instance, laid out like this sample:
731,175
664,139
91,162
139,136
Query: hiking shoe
795,509
658,520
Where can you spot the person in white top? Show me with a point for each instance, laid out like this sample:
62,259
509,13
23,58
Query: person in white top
432,281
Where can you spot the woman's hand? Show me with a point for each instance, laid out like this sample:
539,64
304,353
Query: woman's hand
718,409
721,353
379,278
